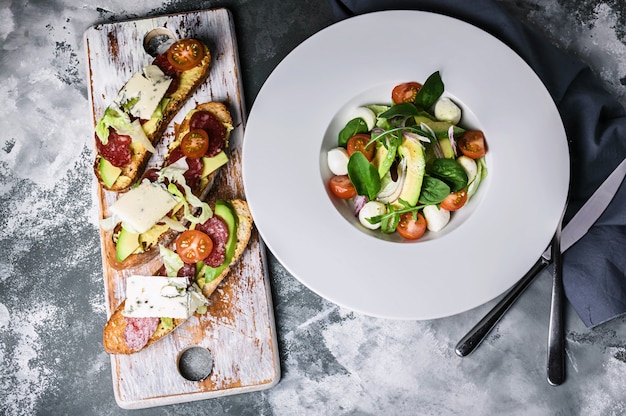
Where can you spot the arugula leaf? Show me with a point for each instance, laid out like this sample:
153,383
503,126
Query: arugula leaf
354,126
129,104
364,176
396,132
392,149
392,216
433,191
390,222
430,92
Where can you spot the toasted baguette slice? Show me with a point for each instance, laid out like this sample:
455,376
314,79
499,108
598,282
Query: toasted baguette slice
114,329
244,231
221,112
160,234
190,80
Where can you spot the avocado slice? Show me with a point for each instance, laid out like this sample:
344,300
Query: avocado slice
446,148
151,125
127,243
225,211
108,172
440,128
380,159
413,151
210,164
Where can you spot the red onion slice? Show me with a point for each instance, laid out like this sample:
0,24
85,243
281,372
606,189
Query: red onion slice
359,202
414,136
452,142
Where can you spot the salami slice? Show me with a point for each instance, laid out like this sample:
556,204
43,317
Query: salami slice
194,167
117,150
216,228
214,128
188,270
168,69
138,331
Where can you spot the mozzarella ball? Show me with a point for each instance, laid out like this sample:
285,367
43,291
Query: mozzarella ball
371,209
469,165
436,218
366,114
446,110
338,161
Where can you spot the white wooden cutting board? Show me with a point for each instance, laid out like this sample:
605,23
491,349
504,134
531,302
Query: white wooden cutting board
239,328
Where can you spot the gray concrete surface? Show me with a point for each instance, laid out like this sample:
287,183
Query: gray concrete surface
334,361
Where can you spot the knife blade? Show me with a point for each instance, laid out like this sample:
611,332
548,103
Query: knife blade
577,227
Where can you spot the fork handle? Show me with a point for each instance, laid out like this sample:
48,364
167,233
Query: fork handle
556,336
475,336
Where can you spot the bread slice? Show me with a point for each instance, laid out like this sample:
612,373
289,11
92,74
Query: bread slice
113,334
190,80
162,234
244,231
221,112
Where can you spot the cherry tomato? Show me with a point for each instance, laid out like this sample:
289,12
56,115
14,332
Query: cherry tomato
185,54
193,246
411,228
455,200
195,143
358,142
341,187
472,144
405,93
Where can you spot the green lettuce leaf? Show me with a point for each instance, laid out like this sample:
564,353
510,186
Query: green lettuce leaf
172,261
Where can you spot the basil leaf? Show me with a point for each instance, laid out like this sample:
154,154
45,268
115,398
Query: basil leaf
433,191
449,171
430,91
354,126
364,176
400,110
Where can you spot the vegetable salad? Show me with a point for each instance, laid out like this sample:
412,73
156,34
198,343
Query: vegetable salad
407,166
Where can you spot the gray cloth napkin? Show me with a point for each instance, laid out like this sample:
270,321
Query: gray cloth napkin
594,269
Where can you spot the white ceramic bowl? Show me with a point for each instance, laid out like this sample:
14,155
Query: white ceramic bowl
489,246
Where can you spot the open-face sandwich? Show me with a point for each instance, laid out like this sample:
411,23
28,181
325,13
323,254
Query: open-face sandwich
133,124
167,201
203,256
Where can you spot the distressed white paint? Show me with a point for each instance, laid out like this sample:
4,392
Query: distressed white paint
239,327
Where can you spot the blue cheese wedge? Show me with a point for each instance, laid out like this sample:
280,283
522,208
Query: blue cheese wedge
143,92
142,207
161,297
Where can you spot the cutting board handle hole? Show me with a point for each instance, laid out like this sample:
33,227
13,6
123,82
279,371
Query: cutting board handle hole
158,40
195,363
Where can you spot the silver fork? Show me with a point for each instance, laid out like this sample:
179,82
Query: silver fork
556,338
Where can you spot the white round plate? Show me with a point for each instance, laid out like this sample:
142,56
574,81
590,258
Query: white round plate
505,228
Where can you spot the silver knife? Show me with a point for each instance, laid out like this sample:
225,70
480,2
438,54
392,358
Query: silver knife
577,227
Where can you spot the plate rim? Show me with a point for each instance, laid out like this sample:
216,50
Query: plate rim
285,255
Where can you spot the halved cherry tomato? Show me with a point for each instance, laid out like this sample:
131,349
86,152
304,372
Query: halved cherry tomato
358,142
193,246
411,228
341,186
405,93
185,54
455,200
472,144
195,143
